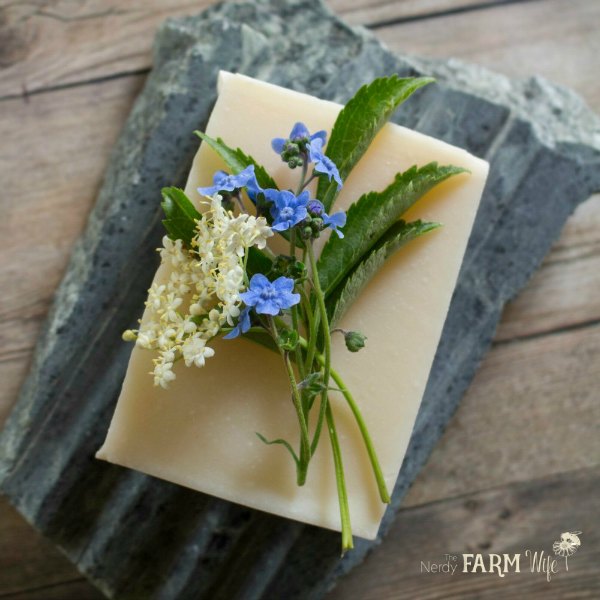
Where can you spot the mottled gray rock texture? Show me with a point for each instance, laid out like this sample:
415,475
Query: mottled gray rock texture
138,537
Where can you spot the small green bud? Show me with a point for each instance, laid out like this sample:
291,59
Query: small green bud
355,340
306,232
298,271
288,340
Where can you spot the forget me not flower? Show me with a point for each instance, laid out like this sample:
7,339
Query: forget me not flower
243,325
316,209
287,209
323,164
223,182
299,135
269,298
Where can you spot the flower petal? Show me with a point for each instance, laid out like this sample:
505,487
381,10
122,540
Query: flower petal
278,144
320,135
283,284
299,131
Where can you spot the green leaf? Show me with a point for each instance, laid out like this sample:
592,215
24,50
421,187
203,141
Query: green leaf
237,160
181,215
360,121
281,442
397,236
258,262
262,339
371,216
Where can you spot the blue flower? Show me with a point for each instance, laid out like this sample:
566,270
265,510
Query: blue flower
269,298
316,209
287,209
299,135
223,182
243,325
334,221
323,164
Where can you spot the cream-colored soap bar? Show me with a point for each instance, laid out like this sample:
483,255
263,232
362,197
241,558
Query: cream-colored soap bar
200,433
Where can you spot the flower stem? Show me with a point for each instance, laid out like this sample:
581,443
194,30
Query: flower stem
307,182
302,467
340,479
294,311
383,492
302,176
362,426
327,344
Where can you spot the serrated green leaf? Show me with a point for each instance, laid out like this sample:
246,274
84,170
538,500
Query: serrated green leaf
396,236
237,160
371,216
181,215
360,121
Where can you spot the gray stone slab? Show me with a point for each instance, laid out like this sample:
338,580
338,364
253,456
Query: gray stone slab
138,537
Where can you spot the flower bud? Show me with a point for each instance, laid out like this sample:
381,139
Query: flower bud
315,208
355,340
306,233
129,336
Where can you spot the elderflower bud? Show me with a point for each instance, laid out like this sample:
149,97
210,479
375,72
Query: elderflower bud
129,336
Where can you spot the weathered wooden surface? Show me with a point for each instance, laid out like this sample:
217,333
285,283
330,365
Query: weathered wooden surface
534,395
512,519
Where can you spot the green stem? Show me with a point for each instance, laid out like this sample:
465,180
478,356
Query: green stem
294,311
340,479
302,178
297,400
308,181
383,492
327,344
362,426
312,340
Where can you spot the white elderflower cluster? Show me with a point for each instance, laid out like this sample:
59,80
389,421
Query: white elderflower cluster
203,292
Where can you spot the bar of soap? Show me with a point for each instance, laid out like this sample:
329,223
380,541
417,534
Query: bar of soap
200,433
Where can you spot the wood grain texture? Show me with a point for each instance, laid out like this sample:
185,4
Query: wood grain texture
549,38
107,37
531,410
27,559
528,387
510,519
58,42
371,13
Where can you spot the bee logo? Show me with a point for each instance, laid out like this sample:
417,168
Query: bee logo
567,545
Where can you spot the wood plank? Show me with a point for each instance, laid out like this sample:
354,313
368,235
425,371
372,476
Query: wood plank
367,12
61,42
531,410
58,42
546,38
509,519
27,559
